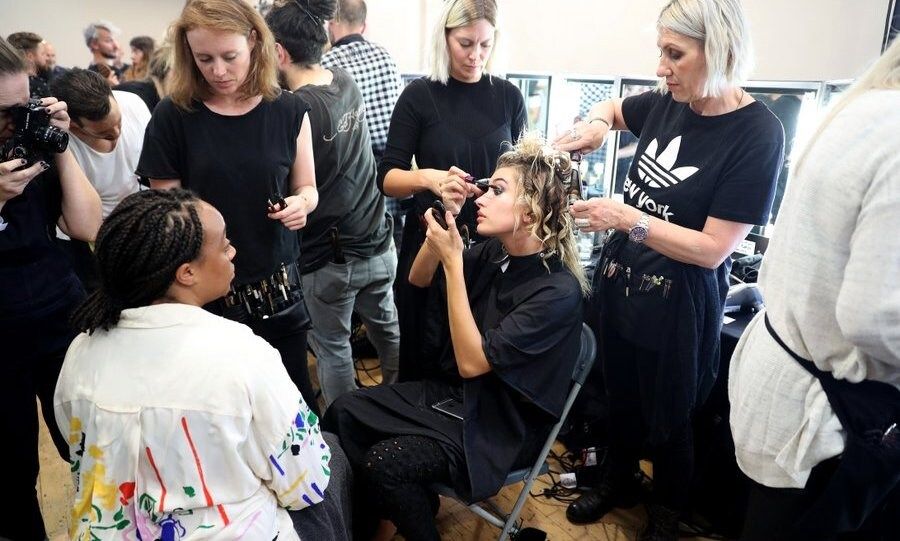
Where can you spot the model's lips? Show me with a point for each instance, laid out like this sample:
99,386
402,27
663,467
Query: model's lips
479,216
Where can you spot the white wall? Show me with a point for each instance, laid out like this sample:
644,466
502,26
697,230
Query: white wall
795,39
61,22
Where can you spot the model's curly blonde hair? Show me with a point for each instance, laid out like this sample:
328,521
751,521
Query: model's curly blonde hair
544,185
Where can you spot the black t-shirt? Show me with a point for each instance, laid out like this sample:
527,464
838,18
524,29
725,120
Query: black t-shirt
688,167
463,124
233,163
345,176
32,268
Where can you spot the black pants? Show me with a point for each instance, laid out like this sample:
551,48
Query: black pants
292,349
628,371
34,346
773,512
285,332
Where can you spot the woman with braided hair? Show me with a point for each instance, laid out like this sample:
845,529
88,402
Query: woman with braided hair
513,308
178,419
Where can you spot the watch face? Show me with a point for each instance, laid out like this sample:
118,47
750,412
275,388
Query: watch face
638,234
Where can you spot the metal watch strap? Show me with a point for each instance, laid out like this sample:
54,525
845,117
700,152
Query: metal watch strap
639,231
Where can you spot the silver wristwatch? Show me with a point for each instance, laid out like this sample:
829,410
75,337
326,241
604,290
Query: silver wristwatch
639,231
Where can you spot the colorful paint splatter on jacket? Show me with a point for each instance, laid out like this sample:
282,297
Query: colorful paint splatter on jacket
215,453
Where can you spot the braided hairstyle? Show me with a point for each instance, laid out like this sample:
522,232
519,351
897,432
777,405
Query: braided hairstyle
544,176
139,247
299,26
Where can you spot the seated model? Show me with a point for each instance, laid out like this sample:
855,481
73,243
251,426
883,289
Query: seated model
513,309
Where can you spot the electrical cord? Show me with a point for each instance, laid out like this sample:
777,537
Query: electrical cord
568,462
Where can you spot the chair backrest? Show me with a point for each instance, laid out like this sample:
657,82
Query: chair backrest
586,356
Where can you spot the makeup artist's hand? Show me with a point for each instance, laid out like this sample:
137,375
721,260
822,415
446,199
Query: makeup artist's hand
293,216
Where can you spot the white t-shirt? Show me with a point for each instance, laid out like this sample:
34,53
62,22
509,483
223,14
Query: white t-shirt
184,425
113,173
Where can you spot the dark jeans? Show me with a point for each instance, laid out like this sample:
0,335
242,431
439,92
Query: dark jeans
629,371
34,346
772,513
331,518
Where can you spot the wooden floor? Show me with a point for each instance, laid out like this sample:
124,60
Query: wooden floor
455,522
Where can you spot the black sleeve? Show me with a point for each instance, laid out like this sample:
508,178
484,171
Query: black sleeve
527,350
519,116
747,186
162,154
404,130
636,109
53,195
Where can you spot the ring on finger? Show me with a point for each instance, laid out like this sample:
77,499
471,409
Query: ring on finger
582,222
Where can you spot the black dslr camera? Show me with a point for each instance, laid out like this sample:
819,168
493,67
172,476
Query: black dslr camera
34,138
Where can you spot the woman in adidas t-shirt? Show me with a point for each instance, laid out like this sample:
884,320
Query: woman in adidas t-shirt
704,173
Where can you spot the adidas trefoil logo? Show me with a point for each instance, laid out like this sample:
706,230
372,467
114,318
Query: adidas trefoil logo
656,170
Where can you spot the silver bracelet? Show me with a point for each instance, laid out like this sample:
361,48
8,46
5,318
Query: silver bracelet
601,119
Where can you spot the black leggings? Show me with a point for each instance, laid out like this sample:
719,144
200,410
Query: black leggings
628,387
398,471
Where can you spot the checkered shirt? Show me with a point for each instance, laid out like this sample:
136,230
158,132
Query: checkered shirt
377,77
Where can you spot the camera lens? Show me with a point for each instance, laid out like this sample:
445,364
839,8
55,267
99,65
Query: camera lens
51,138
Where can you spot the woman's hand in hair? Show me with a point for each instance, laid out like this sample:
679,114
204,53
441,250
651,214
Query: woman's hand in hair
294,215
602,213
588,135
582,137
447,245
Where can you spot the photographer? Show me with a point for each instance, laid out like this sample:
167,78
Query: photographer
38,289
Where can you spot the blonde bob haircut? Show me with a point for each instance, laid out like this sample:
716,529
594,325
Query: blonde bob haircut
457,13
722,28
234,16
543,193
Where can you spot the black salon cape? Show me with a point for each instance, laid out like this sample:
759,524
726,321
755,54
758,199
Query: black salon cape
530,320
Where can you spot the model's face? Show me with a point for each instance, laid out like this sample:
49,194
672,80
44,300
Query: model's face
137,56
213,268
498,211
223,58
682,63
105,44
470,47
108,129
13,91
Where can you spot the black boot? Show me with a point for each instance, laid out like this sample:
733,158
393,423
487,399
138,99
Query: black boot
593,504
662,524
